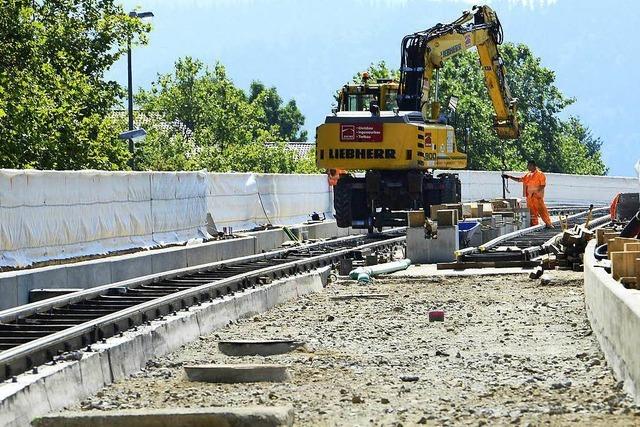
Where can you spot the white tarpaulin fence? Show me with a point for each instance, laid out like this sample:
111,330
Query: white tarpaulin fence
561,188
49,214
46,215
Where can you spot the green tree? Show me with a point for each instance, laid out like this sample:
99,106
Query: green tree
378,70
54,100
287,117
556,144
229,128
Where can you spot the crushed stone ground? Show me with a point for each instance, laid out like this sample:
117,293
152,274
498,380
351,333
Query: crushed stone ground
510,351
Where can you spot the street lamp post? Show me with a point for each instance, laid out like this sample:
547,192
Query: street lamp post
138,15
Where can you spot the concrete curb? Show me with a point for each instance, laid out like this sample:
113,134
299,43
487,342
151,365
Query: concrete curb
255,416
614,313
65,383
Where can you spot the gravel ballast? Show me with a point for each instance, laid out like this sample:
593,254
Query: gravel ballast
510,350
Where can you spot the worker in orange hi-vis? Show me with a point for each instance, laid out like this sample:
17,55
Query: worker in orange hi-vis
533,184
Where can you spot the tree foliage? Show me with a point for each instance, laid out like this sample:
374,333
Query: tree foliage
54,100
228,128
556,144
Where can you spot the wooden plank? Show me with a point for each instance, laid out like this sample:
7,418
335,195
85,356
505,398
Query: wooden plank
630,247
600,234
487,210
416,218
637,275
617,244
623,264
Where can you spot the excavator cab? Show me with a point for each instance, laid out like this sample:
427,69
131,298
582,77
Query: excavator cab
359,96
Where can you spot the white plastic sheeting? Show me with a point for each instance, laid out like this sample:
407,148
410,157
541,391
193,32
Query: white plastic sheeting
246,200
561,188
46,215
57,214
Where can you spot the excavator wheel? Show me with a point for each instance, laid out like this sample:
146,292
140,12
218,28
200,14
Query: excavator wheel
342,202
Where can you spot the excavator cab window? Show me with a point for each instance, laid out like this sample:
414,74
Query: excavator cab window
360,102
390,101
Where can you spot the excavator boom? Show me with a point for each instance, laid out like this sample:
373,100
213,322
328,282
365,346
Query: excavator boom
425,52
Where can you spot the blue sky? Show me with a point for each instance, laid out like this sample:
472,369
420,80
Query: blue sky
308,49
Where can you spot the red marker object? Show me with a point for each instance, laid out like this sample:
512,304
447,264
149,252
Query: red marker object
436,316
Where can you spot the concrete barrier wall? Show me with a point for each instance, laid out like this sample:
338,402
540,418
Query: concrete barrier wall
614,313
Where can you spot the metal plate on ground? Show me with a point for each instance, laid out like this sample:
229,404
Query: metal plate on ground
258,347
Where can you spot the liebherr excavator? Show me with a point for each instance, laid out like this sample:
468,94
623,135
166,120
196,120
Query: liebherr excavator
398,149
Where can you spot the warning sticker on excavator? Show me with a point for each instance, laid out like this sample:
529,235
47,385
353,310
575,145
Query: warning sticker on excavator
370,132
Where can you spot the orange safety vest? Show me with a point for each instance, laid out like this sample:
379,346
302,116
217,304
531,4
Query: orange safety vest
533,179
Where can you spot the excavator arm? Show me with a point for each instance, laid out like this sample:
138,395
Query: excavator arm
424,52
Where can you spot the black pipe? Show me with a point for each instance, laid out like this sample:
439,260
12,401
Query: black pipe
632,229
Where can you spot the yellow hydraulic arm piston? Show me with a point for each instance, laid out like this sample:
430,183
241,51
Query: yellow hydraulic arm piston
425,51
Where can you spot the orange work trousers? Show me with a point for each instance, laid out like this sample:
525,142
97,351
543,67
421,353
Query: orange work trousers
536,206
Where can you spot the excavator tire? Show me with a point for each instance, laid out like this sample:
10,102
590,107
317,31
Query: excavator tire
342,203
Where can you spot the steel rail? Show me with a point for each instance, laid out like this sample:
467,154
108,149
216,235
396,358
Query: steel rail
510,236
485,247
42,350
15,313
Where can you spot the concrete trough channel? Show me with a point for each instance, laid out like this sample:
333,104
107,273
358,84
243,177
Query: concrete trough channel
122,342
614,313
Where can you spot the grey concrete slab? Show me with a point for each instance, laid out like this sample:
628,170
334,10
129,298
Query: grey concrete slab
255,416
88,275
130,266
37,294
47,277
268,240
219,250
421,250
8,292
168,259
258,347
248,373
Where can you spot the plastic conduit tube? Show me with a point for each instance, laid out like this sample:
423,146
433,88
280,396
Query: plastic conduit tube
364,274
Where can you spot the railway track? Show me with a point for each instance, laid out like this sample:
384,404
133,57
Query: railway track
37,333
532,242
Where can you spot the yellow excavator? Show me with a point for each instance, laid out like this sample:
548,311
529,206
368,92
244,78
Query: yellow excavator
383,159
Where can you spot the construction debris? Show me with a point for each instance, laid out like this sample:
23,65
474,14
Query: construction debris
569,248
